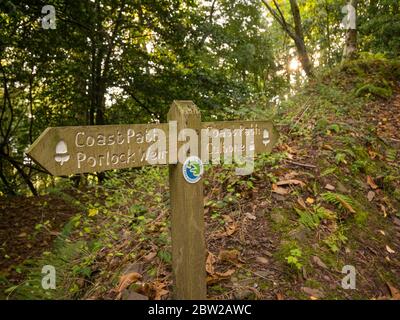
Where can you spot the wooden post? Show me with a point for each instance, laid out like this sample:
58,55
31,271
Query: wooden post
187,216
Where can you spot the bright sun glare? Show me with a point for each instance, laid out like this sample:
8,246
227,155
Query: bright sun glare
294,64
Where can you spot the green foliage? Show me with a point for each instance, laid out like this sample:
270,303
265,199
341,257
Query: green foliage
380,32
340,157
329,171
294,257
308,219
369,75
165,256
312,218
334,127
391,155
106,64
341,201
335,240
370,89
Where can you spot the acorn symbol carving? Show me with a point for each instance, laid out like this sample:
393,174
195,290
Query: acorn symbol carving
61,152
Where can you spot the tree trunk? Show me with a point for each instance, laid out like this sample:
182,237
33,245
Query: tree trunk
296,32
303,57
328,35
350,45
299,39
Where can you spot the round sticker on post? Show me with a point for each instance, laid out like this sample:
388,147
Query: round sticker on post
192,169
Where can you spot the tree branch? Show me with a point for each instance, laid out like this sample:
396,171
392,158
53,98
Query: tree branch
140,103
279,17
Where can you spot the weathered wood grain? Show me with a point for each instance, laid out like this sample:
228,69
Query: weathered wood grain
187,220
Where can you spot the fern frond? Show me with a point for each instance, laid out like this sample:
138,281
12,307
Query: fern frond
325,213
329,171
339,200
308,219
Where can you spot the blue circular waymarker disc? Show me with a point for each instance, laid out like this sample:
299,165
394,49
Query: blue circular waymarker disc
192,169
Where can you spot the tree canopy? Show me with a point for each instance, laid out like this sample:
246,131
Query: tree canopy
109,61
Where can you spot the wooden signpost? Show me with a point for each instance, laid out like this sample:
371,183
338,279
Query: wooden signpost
64,151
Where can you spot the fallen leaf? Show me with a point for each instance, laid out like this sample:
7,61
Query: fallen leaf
371,183
92,212
262,260
279,296
160,291
390,250
150,256
290,175
228,255
290,182
211,279
127,279
383,209
310,200
370,196
313,292
250,216
225,274
134,267
372,154
330,187
395,293
319,262
279,190
210,263
288,148
227,218
231,228
301,202
346,205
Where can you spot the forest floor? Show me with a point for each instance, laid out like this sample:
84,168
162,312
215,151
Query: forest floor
328,196
22,219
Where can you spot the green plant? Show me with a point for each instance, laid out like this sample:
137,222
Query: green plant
340,158
165,256
293,259
312,218
335,240
391,155
342,202
370,89
334,127
308,219
329,171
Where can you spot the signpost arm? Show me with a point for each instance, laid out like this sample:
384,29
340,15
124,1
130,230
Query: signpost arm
187,216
